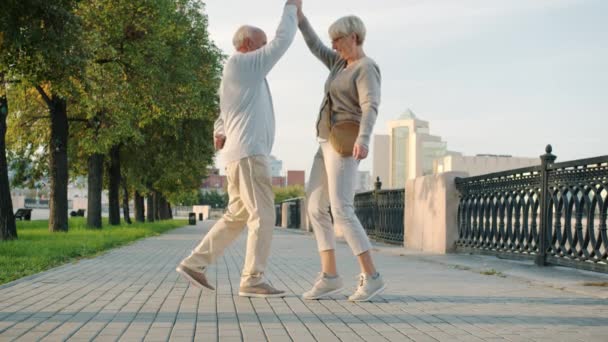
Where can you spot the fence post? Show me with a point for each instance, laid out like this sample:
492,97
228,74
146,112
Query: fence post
377,184
377,188
546,160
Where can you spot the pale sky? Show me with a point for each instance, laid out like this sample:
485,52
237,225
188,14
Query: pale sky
490,76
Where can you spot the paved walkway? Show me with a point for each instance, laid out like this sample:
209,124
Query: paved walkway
134,294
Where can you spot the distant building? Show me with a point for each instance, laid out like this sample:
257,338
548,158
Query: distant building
214,182
39,196
363,182
276,167
381,158
278,181
296,177
412,149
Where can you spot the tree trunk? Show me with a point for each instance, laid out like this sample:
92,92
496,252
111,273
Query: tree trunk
58,165
125,202
156,206
114,186
8,228
150,208
139,207
163,208
160,205
95,182
170,211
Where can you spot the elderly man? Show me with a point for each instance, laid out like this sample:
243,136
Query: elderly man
244,132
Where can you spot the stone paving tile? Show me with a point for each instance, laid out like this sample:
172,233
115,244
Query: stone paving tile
133,294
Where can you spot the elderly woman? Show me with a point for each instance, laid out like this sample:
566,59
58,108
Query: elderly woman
344,127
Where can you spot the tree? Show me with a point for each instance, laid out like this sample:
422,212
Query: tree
139,207
125,201
140,80
176,133
213,199
119,34
94,189
292,191
8,228
41,44
154,77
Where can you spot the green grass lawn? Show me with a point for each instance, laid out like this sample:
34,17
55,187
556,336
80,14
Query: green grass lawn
37,249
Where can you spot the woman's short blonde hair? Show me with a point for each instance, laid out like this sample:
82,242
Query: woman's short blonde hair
347,25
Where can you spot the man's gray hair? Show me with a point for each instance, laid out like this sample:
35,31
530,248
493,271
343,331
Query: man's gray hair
347,25
243,32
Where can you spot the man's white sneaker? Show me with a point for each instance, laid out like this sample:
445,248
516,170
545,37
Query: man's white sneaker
368,288
324,287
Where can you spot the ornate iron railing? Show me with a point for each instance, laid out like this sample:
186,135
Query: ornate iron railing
366,209
577,210
391,206
381,213
499,212
552,213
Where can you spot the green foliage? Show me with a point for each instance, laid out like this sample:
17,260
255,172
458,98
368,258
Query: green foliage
41,43
293,191
140,74
152,85
41,47
28,135
177,146
37,249
214,199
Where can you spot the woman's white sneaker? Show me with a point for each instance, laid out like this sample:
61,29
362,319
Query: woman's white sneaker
324,287
368,288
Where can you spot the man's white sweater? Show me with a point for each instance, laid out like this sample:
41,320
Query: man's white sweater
247,114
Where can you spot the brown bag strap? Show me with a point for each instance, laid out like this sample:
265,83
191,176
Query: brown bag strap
329,103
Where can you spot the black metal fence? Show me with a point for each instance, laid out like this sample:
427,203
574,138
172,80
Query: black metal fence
381,213
278,210
554,213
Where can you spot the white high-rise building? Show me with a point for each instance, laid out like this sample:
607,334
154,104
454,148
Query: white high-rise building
276,166
381,159
363,182
409,151
412,149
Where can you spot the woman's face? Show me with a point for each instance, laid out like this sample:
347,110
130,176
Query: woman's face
345,45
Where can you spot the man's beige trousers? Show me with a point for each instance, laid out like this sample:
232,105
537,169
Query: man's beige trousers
251,204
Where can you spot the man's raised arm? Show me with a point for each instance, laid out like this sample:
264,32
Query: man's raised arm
265,58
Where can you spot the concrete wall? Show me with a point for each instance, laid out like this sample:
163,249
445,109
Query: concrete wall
82,203
201,209
479,165
284,214
304,216
431,212
304,221
18,202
